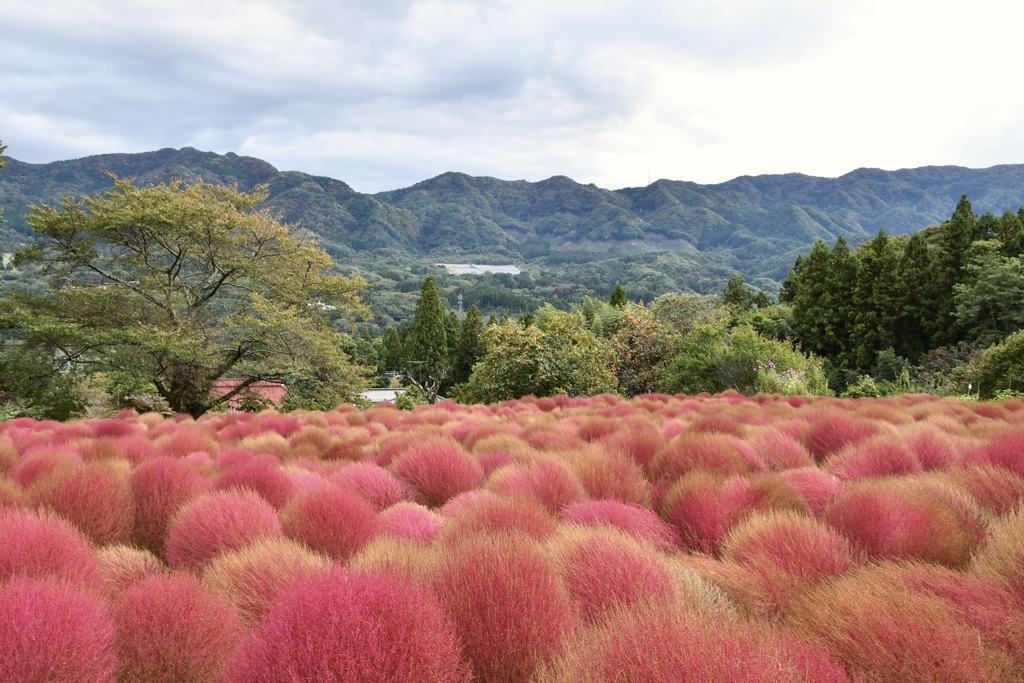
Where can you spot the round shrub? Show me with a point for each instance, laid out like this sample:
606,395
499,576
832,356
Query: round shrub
160,487
371,627
252,577
45,546
170,628
54,632
437,471
217,522
122,566
330,520
636,521
604,569
508,604
410,520
96,498
265,479
379,487
662,642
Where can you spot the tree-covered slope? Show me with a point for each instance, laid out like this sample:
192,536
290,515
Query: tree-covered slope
667,235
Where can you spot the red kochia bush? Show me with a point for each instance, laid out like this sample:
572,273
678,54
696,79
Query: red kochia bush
777,450
638,522
887,633
509,607
251,578
500,515
662,642
816,488
51,632
993,488
215,522
694,507
605,569
160,487
357,627
1003,450
374,483
831,431
45,546
410,520
171,628
610,475
96,498
879,457
122,566
709,452
886,524
37,464
265,479
639,439
983,604
330,520
437,471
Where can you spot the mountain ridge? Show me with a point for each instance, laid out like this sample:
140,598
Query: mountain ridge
670,234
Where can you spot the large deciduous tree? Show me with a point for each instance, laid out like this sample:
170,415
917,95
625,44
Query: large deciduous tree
179,285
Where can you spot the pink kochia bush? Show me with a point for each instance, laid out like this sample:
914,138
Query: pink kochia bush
160,487
171,628
330,520
661,538
663,642
251,578
265,479
217,522
885,524
96,498
410,520
438,471
605,569
45,546
53,632
379,487
638,522
509,606
353,627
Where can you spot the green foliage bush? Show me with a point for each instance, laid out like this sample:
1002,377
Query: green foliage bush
714,358
557,356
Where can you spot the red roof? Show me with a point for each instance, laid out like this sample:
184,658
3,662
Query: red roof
271,391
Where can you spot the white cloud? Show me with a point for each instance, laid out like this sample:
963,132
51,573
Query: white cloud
384,93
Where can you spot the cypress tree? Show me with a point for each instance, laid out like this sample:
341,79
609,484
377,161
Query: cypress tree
877,300
955,238
426,344
1011,234
618,297
917,317
471,346
390,352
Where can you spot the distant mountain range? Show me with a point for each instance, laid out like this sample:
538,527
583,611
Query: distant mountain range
668,235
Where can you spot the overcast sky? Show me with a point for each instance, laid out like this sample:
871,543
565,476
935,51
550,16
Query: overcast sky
385,93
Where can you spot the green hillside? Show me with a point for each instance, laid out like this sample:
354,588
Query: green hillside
570,239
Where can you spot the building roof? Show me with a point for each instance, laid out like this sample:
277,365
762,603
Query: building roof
271,391
382,395
477,269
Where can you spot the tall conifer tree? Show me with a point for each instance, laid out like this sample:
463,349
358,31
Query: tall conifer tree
471,346
877,300
426,344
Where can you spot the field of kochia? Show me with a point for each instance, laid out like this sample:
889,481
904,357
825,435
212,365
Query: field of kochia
662,538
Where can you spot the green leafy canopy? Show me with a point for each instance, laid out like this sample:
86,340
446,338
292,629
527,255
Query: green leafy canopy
181,285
